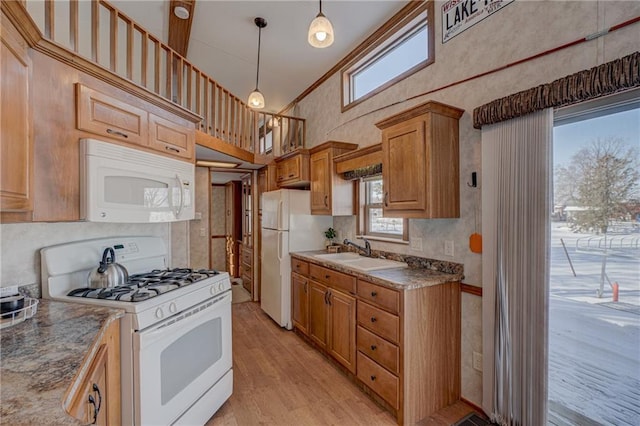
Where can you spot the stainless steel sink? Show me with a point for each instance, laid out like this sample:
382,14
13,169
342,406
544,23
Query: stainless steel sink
360,263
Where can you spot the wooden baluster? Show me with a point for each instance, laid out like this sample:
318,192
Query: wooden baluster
178,66
205,104
49,19
198,94
73,25
157,68
232,120
304,134
169,71
144,52
130,50
212,109
219,124
189,94
95,30
113,40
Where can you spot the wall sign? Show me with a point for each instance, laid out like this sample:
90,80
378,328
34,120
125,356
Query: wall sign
458,15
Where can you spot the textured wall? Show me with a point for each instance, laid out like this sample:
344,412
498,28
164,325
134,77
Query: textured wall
21,243
199,228
520,30
218,208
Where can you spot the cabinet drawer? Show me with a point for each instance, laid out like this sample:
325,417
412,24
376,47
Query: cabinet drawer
380,322
377,378
300,267
385,297
334,279
247,256
375,347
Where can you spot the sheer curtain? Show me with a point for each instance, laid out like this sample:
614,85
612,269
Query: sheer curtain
516,162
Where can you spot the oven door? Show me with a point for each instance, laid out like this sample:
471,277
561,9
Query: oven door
180,359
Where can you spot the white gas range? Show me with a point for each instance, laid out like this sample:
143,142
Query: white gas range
176,332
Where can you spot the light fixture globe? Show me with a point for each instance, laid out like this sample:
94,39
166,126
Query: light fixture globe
256,100
320,32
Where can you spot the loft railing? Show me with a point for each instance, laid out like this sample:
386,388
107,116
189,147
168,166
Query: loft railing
98,31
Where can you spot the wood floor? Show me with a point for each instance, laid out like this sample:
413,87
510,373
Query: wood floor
280,380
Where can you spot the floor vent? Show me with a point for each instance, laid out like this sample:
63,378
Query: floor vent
472,420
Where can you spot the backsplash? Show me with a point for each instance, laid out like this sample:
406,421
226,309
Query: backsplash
21,244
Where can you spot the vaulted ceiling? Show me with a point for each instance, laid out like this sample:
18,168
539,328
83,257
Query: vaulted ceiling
223,39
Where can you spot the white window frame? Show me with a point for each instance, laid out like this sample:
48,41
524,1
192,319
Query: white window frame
385,43
363,218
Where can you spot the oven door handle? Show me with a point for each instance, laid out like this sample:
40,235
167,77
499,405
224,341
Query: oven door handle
181,205
192,315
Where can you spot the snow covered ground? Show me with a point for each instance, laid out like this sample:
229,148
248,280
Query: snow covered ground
594,344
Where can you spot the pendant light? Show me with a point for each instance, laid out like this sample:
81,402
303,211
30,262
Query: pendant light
256,100
320,31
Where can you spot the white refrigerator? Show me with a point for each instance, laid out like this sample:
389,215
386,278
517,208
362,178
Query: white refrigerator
287,226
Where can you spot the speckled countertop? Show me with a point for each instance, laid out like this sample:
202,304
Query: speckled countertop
415,276
41,358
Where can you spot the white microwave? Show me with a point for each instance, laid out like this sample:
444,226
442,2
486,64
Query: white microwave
120,184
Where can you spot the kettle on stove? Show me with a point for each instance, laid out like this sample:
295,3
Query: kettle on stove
109,273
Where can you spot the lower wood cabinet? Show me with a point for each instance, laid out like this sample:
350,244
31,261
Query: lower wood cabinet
332,322
97,399
300,302
403,345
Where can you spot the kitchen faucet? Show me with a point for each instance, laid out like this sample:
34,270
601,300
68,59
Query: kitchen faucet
366,249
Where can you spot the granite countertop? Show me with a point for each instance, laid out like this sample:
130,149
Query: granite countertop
42,358
398,278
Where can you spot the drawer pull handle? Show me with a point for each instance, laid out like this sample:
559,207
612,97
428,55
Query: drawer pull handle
326,197
386,199
117,133
373,378
374,294
170,148
291,175
374,347
374,319
326,277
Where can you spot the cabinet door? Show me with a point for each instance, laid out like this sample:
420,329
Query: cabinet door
16,142
171,138
108,117
300,302
321,182
403,166
318,313
341,342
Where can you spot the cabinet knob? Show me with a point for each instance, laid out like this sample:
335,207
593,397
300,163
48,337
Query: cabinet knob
374,294
374,347
374,319
373,378
326,198
326,277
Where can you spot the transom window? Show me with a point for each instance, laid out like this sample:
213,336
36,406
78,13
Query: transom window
396,54
372,220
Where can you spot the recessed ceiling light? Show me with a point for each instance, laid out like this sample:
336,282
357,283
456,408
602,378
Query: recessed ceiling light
220,164
181,12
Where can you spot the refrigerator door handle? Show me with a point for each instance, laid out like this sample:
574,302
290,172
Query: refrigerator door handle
280,246
279,215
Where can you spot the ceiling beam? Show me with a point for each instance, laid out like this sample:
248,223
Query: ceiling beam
180,29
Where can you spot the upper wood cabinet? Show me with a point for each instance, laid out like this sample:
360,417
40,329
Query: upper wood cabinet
292,170
16,136
330,194
420,162
108,117
170,137
113,118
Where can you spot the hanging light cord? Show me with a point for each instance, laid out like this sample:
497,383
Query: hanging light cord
258,67
320,8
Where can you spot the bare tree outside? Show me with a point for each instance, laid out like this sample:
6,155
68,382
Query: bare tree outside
602,178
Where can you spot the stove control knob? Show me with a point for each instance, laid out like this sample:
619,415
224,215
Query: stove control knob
220,286
173,308
159,313
213,290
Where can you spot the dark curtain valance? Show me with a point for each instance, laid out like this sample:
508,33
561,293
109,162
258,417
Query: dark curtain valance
363,172
605,79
